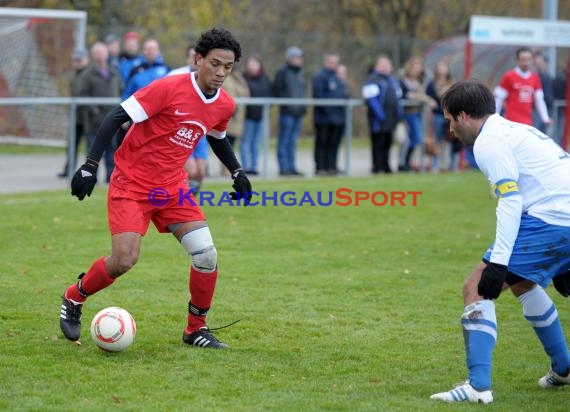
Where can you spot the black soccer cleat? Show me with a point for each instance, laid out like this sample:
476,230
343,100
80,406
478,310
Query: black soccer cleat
70,319
203,338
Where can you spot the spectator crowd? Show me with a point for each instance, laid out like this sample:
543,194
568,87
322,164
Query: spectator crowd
407,129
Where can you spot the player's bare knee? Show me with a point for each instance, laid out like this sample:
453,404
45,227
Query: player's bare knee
127,263
470,293
200,247
469,285
466,290
122,263
125,253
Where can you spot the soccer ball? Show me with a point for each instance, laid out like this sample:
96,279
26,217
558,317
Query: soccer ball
113,329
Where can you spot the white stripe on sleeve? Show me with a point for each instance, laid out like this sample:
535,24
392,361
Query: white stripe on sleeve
217,134
134,109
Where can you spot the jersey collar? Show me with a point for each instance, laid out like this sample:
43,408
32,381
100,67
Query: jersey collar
493,116
524,75
200,93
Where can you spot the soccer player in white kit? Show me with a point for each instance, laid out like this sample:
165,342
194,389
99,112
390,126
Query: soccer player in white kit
530,175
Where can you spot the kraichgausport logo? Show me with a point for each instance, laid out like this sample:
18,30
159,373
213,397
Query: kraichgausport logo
341,197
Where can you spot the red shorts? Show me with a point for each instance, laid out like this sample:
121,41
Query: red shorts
132,210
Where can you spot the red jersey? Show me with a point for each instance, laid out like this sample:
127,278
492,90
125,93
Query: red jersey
520,90
170,116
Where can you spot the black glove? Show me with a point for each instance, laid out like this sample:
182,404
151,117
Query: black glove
492,279
242,187
84,180
561,283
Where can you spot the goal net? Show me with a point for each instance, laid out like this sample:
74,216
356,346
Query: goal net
36,63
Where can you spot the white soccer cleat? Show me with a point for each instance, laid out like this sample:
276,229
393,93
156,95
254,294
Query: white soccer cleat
552,380
464,393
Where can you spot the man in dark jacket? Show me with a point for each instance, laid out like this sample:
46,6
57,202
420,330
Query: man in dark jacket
80,61
381,93
329,120
100,80
290,82
259,86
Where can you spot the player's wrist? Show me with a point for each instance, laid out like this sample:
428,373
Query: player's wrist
237,172
92,162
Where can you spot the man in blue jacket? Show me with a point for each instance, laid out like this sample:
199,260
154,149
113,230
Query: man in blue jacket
129,56
382,94
151,68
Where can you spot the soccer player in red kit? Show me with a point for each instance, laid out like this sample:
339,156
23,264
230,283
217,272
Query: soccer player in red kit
169,117
520,90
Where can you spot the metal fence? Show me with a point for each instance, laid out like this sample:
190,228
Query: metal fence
266,103
349,104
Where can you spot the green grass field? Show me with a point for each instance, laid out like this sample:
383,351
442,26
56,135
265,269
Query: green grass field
28,149
341,308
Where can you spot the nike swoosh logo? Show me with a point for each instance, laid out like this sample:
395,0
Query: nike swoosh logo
179,113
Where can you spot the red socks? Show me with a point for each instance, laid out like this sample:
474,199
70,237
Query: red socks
96,279
202,285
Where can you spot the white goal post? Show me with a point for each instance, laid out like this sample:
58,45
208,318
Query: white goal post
79,16
35,62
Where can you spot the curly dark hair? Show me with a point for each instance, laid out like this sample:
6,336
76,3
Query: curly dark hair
218,39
